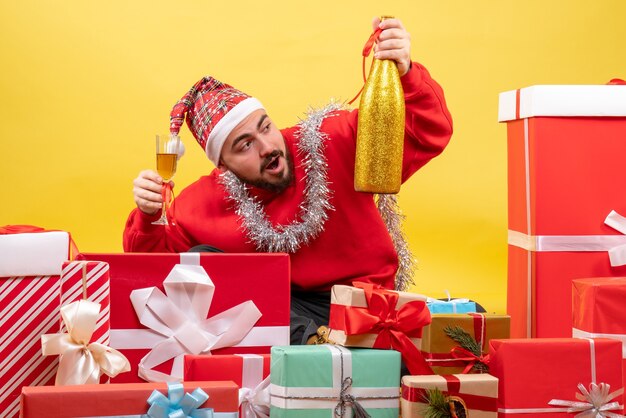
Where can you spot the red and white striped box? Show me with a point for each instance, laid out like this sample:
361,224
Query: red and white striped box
88,280
29,307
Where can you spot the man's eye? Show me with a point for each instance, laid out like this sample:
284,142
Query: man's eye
267,127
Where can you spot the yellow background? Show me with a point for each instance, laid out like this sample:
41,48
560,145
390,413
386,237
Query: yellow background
85,85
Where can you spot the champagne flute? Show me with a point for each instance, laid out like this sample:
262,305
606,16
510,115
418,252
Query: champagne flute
167,147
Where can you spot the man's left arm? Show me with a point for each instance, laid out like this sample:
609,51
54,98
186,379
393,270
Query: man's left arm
428,124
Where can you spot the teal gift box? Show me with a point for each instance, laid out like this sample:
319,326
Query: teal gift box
450,306
328,381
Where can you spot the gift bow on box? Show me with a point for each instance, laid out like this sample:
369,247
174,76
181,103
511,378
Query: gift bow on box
254,395
593,403
180,317
464,355
178,404
81,362
393,326
255,403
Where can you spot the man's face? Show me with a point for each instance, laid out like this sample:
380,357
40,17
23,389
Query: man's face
256,153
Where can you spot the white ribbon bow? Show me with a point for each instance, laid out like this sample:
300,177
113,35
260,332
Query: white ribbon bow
181,318
595,402
255,403
81,362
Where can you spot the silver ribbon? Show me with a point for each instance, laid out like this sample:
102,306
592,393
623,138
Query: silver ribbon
592,403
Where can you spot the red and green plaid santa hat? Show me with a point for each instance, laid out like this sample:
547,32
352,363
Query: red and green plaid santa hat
213,109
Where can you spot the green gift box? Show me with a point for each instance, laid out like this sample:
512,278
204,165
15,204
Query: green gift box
328,381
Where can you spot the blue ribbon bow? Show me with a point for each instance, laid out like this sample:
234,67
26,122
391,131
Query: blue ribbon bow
178,404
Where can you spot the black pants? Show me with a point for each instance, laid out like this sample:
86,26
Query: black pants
309,310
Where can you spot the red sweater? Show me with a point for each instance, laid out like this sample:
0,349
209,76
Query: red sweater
354,244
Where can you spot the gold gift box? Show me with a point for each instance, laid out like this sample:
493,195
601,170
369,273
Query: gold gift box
437,345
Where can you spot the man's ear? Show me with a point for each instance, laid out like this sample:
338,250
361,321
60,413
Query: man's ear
221,166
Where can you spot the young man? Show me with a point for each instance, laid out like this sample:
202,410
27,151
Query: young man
292,190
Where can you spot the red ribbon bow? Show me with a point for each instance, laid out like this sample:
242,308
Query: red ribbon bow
465,355
393,326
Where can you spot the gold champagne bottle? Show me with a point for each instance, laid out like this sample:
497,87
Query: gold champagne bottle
380,130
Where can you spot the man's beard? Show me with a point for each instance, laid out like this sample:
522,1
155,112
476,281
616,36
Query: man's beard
275,187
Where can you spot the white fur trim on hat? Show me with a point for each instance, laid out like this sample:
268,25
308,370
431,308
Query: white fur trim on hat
224,126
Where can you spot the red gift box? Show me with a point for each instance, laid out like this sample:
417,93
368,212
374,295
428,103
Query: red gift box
117,400
30,266
248,371
598,310
534,372
238,278
565,164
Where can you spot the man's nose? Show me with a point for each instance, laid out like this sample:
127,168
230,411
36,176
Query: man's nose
265,147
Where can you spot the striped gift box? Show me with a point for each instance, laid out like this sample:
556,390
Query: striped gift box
88,280
29,307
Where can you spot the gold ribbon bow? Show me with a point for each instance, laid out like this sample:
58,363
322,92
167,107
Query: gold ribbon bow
595,402
80,361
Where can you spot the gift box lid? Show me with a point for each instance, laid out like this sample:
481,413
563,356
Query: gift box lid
563,101
33,254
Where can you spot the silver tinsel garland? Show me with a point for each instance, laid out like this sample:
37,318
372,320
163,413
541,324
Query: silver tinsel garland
390,212
315,207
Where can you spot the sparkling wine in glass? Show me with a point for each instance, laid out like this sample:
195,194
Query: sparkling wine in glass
167,148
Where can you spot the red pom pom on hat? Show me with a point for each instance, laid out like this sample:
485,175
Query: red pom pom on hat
212,109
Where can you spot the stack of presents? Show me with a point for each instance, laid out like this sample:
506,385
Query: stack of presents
207,335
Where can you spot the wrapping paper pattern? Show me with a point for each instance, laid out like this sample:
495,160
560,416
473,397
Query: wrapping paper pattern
29,309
